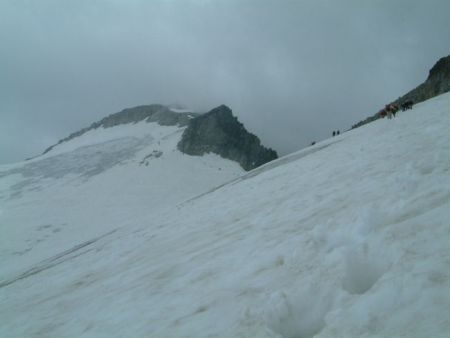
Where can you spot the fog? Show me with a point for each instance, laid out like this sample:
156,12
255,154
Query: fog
291,71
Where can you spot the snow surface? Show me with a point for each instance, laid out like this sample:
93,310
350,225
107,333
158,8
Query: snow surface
96,183
181,110
348,238
178,108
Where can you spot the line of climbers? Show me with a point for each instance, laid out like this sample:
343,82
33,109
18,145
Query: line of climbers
391,109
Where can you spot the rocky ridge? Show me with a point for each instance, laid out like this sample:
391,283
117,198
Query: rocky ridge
437,82
219,132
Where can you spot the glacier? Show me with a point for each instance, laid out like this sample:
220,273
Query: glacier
346,238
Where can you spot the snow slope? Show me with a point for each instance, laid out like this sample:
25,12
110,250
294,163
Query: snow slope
348,238
94,184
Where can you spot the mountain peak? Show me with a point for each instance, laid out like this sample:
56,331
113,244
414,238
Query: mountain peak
220,132
221,109
158,113
217,131
441,70
438,82
163,115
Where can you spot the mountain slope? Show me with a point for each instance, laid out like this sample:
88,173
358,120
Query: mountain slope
348,238
437,83
95,182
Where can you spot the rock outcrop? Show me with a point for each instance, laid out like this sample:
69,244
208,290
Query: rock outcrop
219,132
151,113
437,82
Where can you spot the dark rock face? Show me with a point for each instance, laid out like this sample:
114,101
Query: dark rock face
151,113
440,71
219,132
438,82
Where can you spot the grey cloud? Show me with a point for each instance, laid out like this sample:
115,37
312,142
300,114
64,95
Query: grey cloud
292,71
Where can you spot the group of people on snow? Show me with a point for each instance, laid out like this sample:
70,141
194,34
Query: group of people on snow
388,111
391,109
407,105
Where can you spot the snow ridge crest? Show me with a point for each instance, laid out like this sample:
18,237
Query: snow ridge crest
158,113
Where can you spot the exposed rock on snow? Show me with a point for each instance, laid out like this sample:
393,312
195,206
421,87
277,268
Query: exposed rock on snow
438,82
221,133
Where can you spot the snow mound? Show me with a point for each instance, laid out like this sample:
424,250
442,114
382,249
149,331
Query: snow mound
301,315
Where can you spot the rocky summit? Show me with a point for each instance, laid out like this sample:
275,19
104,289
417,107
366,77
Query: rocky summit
437,82
219,132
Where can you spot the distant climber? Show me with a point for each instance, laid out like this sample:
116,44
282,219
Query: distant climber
389,110
407,105
338,132
334,133
394,109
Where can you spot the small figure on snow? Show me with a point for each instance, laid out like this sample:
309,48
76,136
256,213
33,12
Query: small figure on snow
388,110
394,109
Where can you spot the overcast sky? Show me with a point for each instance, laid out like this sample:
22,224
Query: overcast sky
292,71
